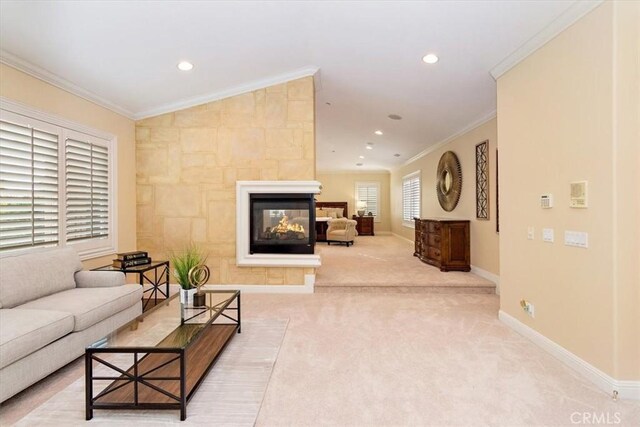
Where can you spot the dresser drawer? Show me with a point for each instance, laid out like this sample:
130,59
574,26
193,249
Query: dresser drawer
434,253
434,227
434,240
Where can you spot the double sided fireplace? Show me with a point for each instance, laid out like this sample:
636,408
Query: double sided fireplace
281,223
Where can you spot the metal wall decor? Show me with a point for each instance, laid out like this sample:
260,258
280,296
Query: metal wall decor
482,180
449,181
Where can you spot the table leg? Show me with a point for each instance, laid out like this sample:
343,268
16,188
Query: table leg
239,315
88,378
183,388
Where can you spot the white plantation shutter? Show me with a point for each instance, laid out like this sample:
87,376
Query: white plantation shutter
369,192
56,183
411,197
87,189
28,183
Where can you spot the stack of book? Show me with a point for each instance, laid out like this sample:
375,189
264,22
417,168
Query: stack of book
131,259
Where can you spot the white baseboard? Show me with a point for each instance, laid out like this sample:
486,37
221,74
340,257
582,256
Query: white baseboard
307,288
383,233
487,275
403,238
625,389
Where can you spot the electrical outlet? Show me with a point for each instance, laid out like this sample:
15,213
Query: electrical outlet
528,308
531,232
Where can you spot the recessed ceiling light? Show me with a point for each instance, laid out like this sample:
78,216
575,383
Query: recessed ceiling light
394,117
369,147
185,66
396,155
430,58
362,157
378,132
328,103
358,164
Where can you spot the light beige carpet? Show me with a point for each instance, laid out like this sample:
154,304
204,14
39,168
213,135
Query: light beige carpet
416,360
230,395
387,263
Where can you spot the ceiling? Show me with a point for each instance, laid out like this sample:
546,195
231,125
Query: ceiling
367,56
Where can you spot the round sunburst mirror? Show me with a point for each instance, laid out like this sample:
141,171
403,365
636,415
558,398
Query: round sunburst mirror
449,181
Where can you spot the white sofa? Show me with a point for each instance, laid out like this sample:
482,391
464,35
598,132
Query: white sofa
50,310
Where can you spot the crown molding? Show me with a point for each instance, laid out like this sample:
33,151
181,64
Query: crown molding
33,70
233,91
567,18
471,126
57,81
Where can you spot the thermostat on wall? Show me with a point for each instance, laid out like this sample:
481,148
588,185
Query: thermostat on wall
578,194
546,201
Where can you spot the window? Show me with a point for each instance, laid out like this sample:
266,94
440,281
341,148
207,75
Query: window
87,188
410,198
368,194
56,184
28,185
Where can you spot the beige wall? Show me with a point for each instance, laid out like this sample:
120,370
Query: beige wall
188,163
627,192
341,187
562,119
484,239
42,96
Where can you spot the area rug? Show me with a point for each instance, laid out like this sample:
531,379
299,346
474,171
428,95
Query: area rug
231,394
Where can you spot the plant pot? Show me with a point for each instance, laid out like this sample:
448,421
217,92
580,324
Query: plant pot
199,299
186,295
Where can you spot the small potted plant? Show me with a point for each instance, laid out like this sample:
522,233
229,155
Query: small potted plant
183,263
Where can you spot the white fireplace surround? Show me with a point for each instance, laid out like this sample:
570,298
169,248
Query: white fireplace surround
246,259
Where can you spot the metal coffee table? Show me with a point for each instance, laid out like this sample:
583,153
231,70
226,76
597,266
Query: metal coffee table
165,375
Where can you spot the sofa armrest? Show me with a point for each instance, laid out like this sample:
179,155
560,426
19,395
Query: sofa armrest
99,279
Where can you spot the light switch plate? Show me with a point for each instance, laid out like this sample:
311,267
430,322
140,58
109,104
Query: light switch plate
531,233
578,239
547,235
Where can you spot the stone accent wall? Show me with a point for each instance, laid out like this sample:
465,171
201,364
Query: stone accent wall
188,162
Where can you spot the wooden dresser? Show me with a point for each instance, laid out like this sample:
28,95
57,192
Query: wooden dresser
443,243
364,225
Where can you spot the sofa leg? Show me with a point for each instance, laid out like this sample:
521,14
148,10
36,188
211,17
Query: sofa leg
134,325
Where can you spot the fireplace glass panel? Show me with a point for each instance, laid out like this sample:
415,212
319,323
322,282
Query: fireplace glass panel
282,224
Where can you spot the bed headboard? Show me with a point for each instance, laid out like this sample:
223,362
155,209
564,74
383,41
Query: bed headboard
343,205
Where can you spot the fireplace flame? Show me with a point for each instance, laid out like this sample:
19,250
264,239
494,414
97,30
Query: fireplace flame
284,226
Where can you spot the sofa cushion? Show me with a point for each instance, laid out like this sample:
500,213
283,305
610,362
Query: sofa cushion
24,331
30,276
89,305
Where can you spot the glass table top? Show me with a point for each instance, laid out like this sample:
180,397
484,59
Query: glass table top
176,325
